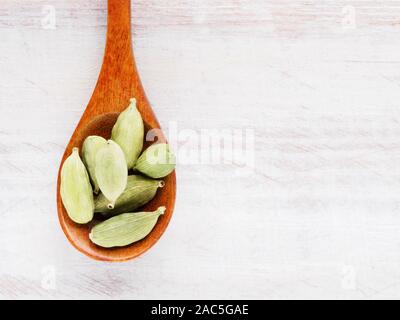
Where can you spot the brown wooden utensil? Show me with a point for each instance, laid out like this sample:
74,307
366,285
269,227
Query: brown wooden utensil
118,82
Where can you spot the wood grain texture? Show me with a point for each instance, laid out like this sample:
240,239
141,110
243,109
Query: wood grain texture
117,84
318,218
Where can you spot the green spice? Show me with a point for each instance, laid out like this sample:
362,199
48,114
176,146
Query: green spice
76,191
128,132
125,229
90,148
111,171
157,161
139,191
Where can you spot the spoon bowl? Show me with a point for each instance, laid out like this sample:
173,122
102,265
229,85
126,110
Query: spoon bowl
118,82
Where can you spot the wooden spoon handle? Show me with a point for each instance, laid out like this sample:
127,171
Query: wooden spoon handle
118,80
119,29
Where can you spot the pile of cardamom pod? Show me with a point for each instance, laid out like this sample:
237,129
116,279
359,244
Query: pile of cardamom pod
99,182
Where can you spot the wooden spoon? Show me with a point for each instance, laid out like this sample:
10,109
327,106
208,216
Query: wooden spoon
118,82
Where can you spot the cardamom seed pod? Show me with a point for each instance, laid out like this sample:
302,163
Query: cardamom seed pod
139,191
111,171
125,229
90,148
157,161
76,191
128,132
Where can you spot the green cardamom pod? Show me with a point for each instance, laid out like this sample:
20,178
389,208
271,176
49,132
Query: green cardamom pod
157,161
125,229
139,191
111,171
128,132
90,148
76,191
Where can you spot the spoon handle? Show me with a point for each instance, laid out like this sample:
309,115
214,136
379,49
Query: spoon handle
118,80
119,41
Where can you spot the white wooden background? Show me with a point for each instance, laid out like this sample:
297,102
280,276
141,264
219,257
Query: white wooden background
320,215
